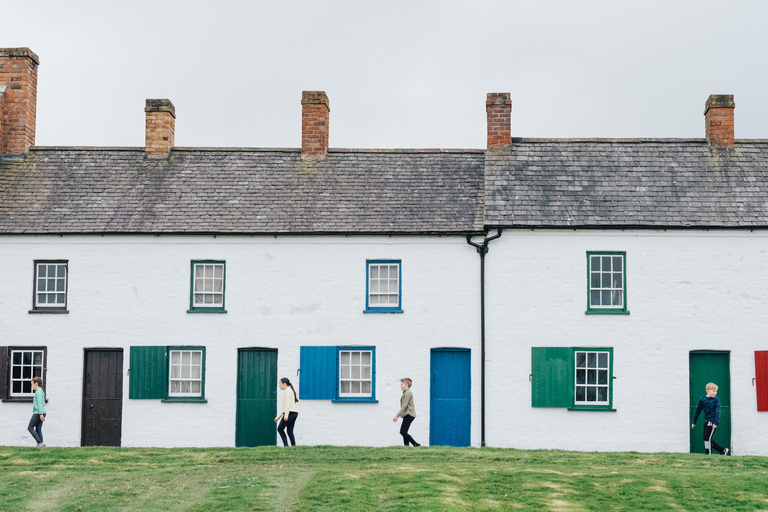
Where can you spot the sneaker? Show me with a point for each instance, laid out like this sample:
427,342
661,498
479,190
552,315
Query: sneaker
416,444
725,451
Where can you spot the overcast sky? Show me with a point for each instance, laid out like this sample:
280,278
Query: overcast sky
399,74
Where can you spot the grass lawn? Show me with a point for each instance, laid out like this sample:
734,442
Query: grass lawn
353,478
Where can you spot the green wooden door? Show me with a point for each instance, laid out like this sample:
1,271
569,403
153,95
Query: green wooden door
256,397
707,367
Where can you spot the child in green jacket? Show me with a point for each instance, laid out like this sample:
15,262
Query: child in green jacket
38,411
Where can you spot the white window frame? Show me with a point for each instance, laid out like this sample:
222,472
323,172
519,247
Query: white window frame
22,378
597,368
60,288
599,275
180,378
349,375
374,286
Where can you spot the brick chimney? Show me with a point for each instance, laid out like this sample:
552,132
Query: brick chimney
498,108
718,117
314,124
161,128
18,74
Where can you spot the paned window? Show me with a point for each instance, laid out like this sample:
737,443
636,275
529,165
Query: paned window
592,378
339,374
383,287
355,375
18,365
186,373
572,377
208,286
50,285
606,290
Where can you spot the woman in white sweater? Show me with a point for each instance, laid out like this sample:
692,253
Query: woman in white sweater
289,412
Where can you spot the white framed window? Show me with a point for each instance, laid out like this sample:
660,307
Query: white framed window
50,285
592,372
606,290
355,373
383,287
208,287
185,373
25,364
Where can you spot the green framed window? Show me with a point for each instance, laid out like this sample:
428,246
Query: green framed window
171,374
577,378
207,286
607,283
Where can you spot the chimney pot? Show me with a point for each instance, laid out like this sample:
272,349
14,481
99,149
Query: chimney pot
160,127
18,78
315,110
498,107
718,120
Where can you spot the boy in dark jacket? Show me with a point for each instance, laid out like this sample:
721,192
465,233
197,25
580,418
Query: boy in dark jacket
710,404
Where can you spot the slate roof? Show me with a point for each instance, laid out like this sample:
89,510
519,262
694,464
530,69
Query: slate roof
241,191
627,183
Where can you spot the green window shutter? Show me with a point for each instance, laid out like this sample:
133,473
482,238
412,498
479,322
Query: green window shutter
148,372
552,377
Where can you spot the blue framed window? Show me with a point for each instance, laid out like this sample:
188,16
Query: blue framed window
607,283
339,374
207,287
383,286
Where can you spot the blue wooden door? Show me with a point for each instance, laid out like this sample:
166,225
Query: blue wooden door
450,404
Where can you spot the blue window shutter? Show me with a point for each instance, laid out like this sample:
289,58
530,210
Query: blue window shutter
317,378
148,372
552,377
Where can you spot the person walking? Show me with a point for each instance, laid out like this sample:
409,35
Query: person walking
289,413
407,411
38,411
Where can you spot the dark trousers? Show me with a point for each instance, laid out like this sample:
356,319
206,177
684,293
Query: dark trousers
407,420
281,428
709,443
36,428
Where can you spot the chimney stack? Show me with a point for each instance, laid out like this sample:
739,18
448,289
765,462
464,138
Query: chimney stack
498,108
718,117
314,124
18,75
161,128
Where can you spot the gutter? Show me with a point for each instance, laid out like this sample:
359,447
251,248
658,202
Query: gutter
482,250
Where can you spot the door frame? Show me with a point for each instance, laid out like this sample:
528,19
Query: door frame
725,443
82,393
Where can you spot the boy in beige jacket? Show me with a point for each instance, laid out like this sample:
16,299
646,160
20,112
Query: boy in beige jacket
407,411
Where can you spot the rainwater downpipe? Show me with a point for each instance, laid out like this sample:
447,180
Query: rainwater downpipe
482,250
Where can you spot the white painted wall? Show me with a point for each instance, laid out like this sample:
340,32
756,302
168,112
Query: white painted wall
281,292
687,290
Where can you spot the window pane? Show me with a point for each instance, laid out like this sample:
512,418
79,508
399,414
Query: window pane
618,280
393,299
208,299
602,394
51,285
198,298
208,271
580,393
605,298
26,386
218,271
617,297
37,371
581,359
595,298
366,372
591,376
16,372
41,270
617,263
197,357
345,358
354,387
26,372
27,357
345,372
198,271
175,372
61,271
366,387
581,376
355,372
41,285
595,281
591,360
602,377
16,386
345,387
606,263
591,394
208,286
185,387
606,279
366,358
602,360
392,285
374,299
383,272
59,285
355,357
38,358
596,263
218,285
374,286
185,357
60,298
175,357
185,372
374,271
194,387
16,358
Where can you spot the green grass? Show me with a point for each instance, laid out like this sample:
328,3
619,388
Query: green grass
354,478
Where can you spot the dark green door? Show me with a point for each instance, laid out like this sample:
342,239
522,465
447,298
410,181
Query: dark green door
256,397
704,367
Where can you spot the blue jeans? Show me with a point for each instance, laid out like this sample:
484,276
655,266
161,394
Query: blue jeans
36,428
281,428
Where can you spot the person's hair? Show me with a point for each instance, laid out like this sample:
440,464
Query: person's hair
407,381
39,382
711,385
287,382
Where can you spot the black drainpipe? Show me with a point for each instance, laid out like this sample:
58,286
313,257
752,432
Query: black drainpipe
482,250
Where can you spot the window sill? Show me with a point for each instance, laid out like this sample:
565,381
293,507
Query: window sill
354,401
606,312
19,399
604,408
48,311
383,310
184,399
204,310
